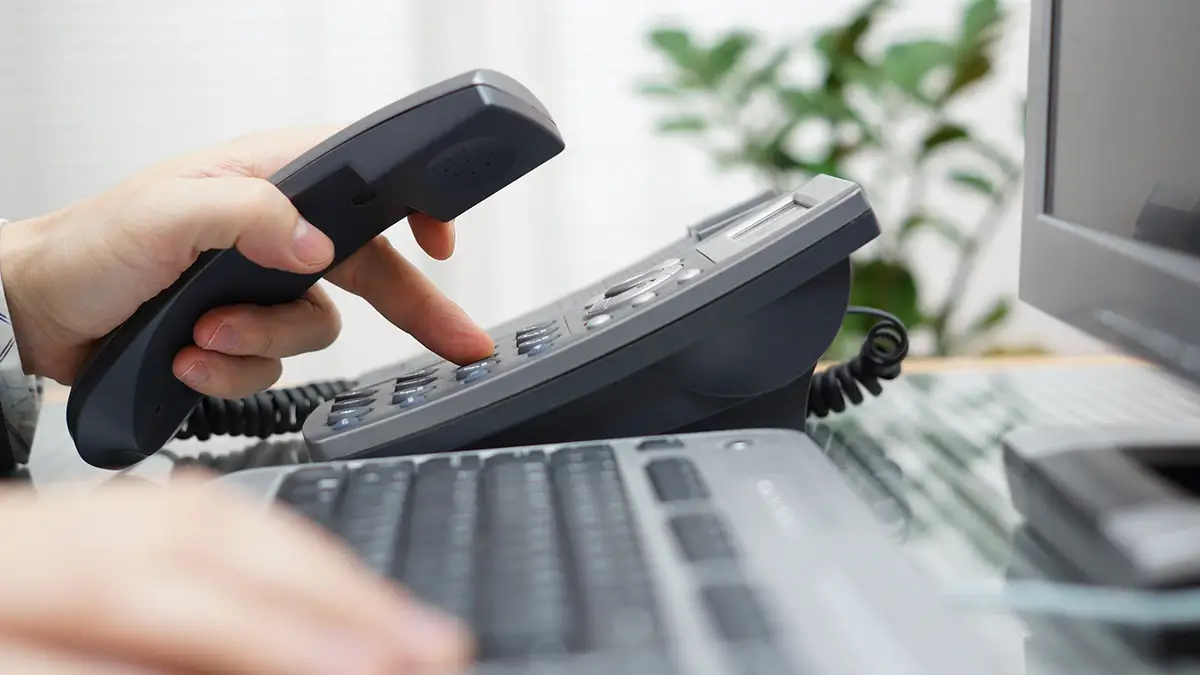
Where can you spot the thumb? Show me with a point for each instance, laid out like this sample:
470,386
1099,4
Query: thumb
249,214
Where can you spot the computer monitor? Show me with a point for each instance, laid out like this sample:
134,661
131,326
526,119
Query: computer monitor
1111,230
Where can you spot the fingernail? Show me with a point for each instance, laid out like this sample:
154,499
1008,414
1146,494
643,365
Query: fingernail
429,635
345,655
196,373
310,245
224,339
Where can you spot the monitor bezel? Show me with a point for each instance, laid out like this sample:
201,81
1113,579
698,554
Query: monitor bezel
1152,324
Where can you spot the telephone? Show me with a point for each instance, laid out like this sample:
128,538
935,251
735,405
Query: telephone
720,330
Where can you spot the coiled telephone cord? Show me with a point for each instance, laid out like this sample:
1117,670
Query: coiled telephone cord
882,352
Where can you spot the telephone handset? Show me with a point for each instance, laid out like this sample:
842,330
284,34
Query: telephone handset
440,151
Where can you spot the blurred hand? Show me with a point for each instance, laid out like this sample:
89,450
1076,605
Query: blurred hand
189,581
73,276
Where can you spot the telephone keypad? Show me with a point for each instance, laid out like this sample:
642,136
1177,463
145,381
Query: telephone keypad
424,381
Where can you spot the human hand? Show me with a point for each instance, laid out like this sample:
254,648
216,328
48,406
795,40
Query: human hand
72,276
187,580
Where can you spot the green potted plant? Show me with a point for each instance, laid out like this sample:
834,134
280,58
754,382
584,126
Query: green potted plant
733,98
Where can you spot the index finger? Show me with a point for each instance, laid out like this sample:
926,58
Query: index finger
257,155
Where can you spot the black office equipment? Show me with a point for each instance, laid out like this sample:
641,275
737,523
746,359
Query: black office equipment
721,330
653,555
440,152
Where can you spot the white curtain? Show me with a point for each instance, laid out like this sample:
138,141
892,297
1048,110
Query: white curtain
90,91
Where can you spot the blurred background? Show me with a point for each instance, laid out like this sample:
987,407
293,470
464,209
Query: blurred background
671,110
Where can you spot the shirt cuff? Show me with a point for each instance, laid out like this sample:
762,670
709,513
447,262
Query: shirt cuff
20,394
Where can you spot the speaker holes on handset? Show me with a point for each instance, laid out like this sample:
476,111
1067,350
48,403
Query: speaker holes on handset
363,198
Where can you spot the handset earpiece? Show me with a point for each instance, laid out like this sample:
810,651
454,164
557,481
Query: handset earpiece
440,152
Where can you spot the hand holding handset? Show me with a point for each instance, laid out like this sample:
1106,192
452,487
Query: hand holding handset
440,152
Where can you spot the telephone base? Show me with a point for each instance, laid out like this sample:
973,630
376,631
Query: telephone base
753,372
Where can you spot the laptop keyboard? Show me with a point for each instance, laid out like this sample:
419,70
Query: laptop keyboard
537,550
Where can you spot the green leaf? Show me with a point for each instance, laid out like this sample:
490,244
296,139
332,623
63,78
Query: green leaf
677,44
886,285
943,135
763,76
971,69
841,44
979,19
659,90
907,65
920,220
683,124
800,103
974,181
726,55
992,319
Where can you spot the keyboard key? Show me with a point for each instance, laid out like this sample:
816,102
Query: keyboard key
665,443
676,480
737,614
314,492
612,579
373,512
438,564
702,537
525,608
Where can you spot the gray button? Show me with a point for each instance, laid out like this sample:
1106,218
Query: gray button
405,383
352,413
525,345
671,262
540,348
597,321
467,370
416,375
532,333
643,298
688,275
352,403
408,401
343,423
476,375
630,284
413,391
596,305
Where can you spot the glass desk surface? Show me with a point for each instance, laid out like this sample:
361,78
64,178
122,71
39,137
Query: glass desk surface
927,455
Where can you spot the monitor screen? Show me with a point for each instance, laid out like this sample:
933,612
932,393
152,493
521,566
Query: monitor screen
1110,238
1123,146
